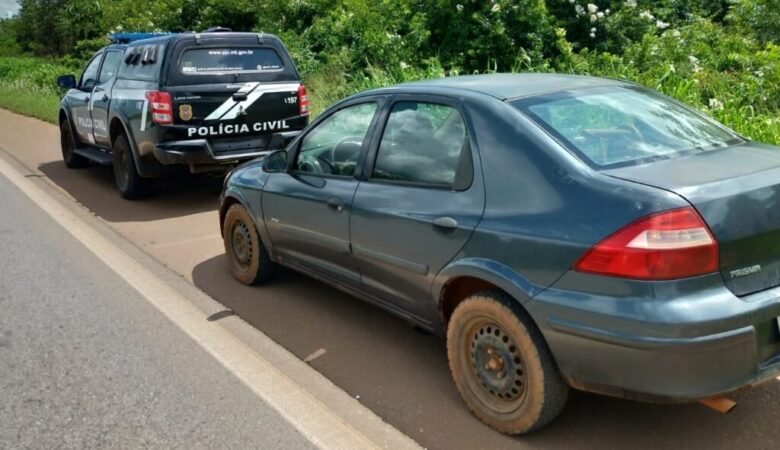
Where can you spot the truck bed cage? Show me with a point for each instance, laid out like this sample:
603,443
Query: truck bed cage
126,38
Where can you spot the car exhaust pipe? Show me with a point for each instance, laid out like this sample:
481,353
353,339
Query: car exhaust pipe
723,405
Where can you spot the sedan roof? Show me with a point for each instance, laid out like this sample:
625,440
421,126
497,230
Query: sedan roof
513,85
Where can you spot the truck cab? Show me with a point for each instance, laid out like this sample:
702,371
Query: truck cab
207,101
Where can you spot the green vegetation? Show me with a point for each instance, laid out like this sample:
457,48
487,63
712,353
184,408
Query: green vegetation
27,85
721,56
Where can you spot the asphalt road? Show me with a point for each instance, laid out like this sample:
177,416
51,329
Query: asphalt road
87,363
398,372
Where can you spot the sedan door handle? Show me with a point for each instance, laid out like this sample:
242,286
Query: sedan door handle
445,222
336,203
105,97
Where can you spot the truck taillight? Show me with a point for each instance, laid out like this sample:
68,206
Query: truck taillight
303,101
162,107
663,246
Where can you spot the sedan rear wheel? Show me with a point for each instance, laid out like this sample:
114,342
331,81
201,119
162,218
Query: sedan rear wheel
248,259
502,366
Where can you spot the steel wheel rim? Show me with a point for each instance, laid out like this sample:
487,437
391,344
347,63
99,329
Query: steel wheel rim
241,244
496,372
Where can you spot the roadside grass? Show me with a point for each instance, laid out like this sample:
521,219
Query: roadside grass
30,100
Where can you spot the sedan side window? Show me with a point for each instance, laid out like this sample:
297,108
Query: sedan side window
422,144
333,147
90,75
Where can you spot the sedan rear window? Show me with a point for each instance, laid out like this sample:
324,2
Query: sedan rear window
618,126
214,61
422,144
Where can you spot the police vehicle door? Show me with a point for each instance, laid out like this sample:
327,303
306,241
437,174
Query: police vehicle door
80,98
101,96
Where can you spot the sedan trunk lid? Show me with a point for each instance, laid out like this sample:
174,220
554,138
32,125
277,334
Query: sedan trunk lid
737,192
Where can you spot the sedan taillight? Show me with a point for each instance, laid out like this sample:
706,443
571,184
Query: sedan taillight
162,107
668,245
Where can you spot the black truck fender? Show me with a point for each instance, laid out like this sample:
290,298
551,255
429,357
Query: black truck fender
147,167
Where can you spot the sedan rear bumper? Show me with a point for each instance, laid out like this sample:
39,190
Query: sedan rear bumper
697,345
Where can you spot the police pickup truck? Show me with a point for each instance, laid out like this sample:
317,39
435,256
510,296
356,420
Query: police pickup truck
204,100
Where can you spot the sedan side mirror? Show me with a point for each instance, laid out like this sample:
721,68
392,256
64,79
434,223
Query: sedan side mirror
66,81
275,162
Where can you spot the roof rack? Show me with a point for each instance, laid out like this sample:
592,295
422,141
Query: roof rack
126,38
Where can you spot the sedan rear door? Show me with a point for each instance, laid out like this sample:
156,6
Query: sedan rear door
419,203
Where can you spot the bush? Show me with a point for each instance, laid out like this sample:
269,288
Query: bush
760,18
721,56
728,76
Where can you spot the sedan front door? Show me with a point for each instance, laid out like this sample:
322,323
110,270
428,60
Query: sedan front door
418,205
307,209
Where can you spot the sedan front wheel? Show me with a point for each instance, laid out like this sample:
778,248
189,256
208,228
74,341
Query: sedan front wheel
248,259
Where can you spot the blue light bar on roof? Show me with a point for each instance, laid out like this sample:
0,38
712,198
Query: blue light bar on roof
125,38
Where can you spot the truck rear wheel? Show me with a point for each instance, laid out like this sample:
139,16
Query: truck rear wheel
501,364
68,146
129,182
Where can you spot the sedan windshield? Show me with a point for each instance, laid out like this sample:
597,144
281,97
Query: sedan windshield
618,126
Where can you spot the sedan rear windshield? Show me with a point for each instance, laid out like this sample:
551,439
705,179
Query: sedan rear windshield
619,126
217,61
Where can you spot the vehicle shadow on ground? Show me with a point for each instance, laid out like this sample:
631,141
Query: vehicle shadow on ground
403,376
176,195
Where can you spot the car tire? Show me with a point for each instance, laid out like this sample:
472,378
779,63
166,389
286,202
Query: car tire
502,366
247,257
68,146
129,182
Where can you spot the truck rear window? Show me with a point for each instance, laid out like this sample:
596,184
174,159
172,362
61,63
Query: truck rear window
214,61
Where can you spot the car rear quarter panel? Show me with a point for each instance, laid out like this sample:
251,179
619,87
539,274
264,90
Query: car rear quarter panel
544,208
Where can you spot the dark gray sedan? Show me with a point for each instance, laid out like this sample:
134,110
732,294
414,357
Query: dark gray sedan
562,231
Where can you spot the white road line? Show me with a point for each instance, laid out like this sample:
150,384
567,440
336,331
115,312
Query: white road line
312,418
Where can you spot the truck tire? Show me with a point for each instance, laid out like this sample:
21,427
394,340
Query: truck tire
68,146
502,366
129,182
247,257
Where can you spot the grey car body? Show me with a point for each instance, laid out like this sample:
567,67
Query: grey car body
112,99
523,209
